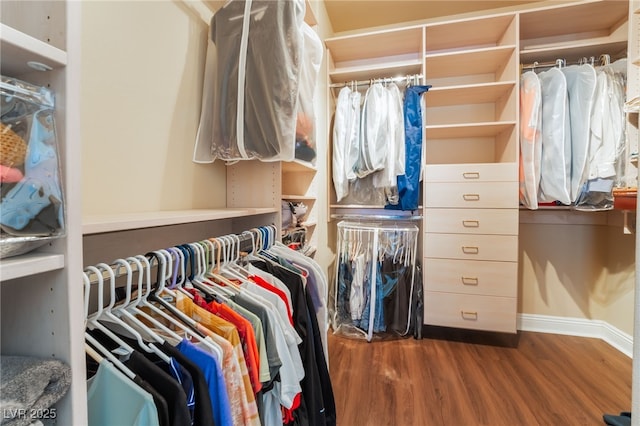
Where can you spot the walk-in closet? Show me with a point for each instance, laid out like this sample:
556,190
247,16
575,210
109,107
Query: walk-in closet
306,212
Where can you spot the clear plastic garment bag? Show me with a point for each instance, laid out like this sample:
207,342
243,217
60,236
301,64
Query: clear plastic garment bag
252,77
373,290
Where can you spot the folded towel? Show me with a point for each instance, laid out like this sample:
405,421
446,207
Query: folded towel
29,386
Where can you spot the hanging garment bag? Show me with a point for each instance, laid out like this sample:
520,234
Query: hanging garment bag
252,74
581,87
530,138
555,169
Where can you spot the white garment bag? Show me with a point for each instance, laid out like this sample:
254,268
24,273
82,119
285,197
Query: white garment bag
374,131
581,87
555,168
394,155
346,130
530,138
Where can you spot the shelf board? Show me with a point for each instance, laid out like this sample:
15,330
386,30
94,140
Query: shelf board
573,51
29,264
298,166
121,222
18,48
309,15
561,19
373,71
297,197
466,32
474,130
468,62
375,44
468,94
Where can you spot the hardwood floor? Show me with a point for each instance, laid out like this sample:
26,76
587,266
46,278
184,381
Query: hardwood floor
528,379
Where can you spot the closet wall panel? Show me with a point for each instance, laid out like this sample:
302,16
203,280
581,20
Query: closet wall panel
141,91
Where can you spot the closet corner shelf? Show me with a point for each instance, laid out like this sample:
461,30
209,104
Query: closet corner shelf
297,166
97,224
19,48
29,264
309,15
297,197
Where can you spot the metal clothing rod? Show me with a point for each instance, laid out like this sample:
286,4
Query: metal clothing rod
603,59
376,217
378,80
120,270
369,227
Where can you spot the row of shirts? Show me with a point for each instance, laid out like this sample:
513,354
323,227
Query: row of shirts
256,367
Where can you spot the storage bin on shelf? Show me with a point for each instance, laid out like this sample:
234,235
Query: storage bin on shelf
32,203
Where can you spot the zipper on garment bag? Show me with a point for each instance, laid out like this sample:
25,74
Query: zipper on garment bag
244,42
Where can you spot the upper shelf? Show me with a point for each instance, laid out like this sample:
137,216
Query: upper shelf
120,222
477,61
18,49
601,18
376,44
483,32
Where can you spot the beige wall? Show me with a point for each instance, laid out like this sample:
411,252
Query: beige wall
577,271
142,73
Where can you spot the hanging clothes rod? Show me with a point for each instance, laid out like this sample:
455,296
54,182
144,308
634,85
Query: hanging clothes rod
246,245
604,59
365,217
378,80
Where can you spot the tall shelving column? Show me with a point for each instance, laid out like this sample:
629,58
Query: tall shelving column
41,292
471,174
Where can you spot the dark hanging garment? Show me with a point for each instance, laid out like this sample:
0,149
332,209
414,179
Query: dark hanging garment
409,183
254,73
313,410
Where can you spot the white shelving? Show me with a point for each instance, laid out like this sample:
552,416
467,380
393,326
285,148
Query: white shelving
42,313
29,264
18,49
122,222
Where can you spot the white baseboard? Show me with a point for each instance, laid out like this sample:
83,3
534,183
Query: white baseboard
577,327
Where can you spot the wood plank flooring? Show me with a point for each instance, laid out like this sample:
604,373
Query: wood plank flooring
534,379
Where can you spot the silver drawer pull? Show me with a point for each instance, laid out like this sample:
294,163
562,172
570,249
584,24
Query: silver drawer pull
470,250
471,223
469,315
471,197
471,175
470,280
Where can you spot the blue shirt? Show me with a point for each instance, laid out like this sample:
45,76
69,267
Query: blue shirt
215,380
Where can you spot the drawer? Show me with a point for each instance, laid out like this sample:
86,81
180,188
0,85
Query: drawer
472,221
472,195
471,247
498,172
471,277
488,313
